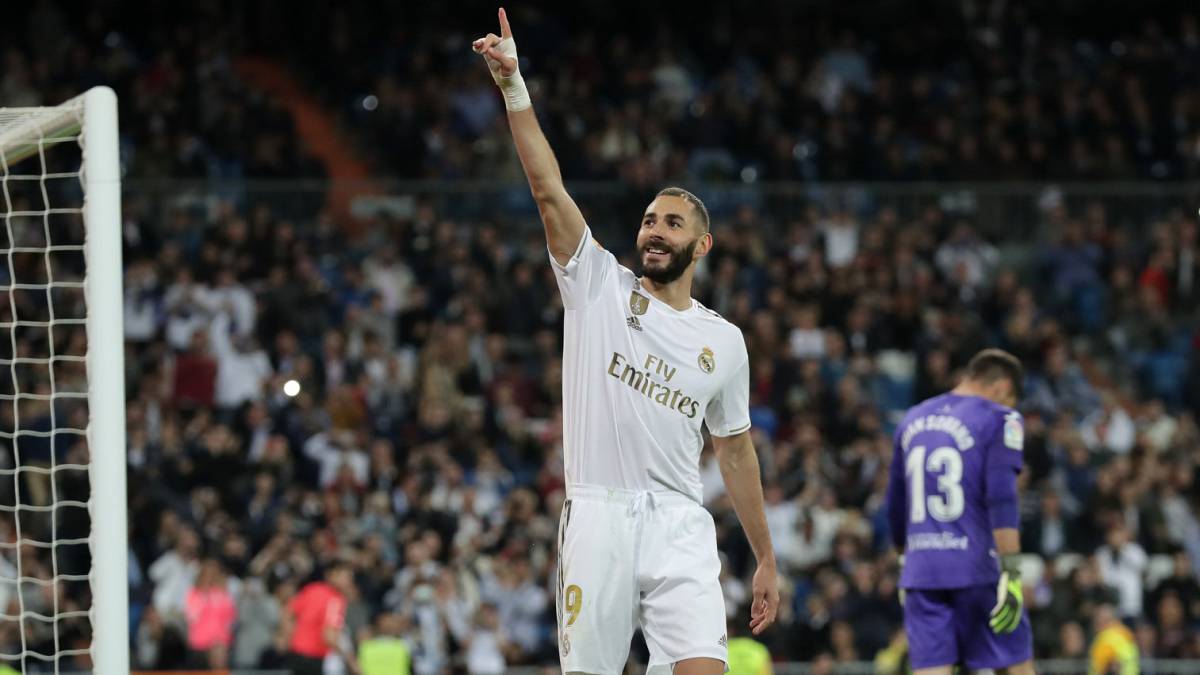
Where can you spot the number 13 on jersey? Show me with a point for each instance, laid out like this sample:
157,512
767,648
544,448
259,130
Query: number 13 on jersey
947,503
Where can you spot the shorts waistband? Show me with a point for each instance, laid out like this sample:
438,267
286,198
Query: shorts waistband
598,493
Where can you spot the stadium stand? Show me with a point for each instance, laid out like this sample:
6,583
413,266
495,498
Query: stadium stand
422,444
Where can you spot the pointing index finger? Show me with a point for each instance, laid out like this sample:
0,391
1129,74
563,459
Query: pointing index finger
505,29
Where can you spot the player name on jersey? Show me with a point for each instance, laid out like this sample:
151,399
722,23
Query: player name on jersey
946,423
642,382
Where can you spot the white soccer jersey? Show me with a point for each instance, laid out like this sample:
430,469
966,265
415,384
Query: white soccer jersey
640,377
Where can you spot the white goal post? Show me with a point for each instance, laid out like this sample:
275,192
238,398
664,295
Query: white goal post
60,256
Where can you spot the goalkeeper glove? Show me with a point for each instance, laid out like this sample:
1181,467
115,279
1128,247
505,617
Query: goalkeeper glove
1010,600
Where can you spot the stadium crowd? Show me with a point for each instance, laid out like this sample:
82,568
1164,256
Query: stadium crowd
419,443
979,91
1013,90
422,446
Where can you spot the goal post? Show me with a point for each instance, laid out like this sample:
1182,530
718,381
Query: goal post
63,385
106,381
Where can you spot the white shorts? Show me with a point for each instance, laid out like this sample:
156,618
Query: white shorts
637,558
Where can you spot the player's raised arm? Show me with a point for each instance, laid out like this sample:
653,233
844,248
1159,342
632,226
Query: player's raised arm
561,217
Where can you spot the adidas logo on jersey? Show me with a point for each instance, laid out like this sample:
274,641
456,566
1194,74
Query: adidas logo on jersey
633,323
724,641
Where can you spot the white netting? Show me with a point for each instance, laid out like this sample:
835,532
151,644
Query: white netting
45,560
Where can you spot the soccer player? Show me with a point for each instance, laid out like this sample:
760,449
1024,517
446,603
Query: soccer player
644,367
952,505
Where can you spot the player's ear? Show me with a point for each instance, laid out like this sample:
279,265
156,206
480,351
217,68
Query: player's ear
1006,392
703,246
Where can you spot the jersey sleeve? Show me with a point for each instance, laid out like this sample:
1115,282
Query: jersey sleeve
580,280
1004,461
728,413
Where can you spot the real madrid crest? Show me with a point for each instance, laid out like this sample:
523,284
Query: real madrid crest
707,361
638,303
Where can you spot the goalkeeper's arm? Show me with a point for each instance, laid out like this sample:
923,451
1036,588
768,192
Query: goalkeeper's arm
1000,485
1004,516
1010,597
561,217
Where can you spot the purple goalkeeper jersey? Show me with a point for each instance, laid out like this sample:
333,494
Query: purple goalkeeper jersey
953,480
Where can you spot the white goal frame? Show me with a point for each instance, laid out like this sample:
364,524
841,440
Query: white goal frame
94,114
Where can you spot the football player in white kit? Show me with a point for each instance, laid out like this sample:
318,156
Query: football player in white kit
644,367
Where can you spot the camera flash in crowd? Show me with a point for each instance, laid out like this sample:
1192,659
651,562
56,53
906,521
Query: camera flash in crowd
291,388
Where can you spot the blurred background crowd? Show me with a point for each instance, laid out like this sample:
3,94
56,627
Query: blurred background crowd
303,394
977,90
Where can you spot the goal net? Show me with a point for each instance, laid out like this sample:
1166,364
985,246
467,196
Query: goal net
63,580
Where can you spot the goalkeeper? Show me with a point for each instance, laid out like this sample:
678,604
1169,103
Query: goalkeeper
952,507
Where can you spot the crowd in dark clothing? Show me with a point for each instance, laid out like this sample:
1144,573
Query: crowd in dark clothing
423,445
992,90
987,90
300,396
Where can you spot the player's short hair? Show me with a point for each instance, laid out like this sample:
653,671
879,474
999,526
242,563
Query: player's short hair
990,365
697,205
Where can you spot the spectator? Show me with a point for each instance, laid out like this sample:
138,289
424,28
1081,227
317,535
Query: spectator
141,303
210,615
174,574
385,652
195,374
258,619
486,644
841,238
1062,387
1072,642
1183,585
158,645
242,368
1113,647
520,602
966,259
1109,429
1049,532
1122,563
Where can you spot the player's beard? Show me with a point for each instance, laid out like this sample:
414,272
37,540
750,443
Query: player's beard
676,265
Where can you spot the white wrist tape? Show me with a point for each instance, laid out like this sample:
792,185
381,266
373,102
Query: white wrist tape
516,94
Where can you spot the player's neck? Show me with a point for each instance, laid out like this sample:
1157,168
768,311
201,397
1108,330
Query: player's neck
677,294
968,388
